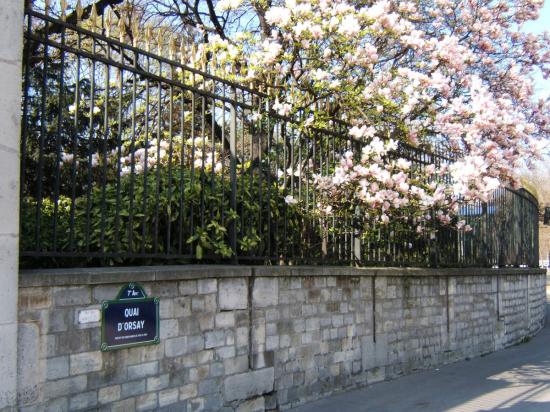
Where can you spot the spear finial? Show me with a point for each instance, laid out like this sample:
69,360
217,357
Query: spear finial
172,47
93,17
160,33
121,28
214,64
148,37
183,50
46,7
135,32
108,22
193,55
78,11
203,58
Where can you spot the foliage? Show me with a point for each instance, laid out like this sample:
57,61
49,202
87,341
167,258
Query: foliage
164,212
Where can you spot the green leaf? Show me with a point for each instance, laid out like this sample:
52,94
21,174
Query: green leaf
199,252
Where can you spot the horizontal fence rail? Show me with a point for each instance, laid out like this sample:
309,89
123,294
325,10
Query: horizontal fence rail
127,156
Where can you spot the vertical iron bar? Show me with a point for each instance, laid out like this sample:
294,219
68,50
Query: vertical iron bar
105,141
133,157
90,149
157,167
170,149
233,173
144,227
75,150
182,173
43,120
58,143
119,159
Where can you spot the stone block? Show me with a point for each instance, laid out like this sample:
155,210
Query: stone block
206,286
55,405
206,321
124,405
374,354
175,346
235,365
105,292
376,375
249,384
197,304
216,369
188,287
154,383
60,319
187,392
210,303
169,328
133,388
166,308
168,397
66,386
225,352
196,405
85,362
272,343
73,341
199,373
163,289
34,298
147,402
214,339
265,292
225,320
242,337
142,370
72,296
252,405
84,400
195,343
208,386
263,359
108,394
181,307
57,367
233,294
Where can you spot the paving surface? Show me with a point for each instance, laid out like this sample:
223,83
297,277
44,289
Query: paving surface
516,379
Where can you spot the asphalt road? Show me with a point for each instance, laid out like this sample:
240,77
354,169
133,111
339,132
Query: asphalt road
516,379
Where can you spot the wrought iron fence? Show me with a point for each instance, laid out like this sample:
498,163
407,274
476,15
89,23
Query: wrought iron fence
131,157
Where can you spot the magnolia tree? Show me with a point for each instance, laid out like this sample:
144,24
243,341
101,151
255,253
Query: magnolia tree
455,73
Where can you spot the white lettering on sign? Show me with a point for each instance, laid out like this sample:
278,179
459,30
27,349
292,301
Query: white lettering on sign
129,312
88,316
135,325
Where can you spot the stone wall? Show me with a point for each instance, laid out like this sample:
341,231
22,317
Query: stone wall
262,338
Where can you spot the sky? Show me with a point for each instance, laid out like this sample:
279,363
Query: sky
538,26
542,87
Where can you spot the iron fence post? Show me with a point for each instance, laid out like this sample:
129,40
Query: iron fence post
233,173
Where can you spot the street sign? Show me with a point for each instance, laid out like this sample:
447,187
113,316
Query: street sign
132,319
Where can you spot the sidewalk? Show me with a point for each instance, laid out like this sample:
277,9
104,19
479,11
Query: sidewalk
516,379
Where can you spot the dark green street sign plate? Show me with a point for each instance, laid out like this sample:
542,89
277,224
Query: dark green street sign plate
132,319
